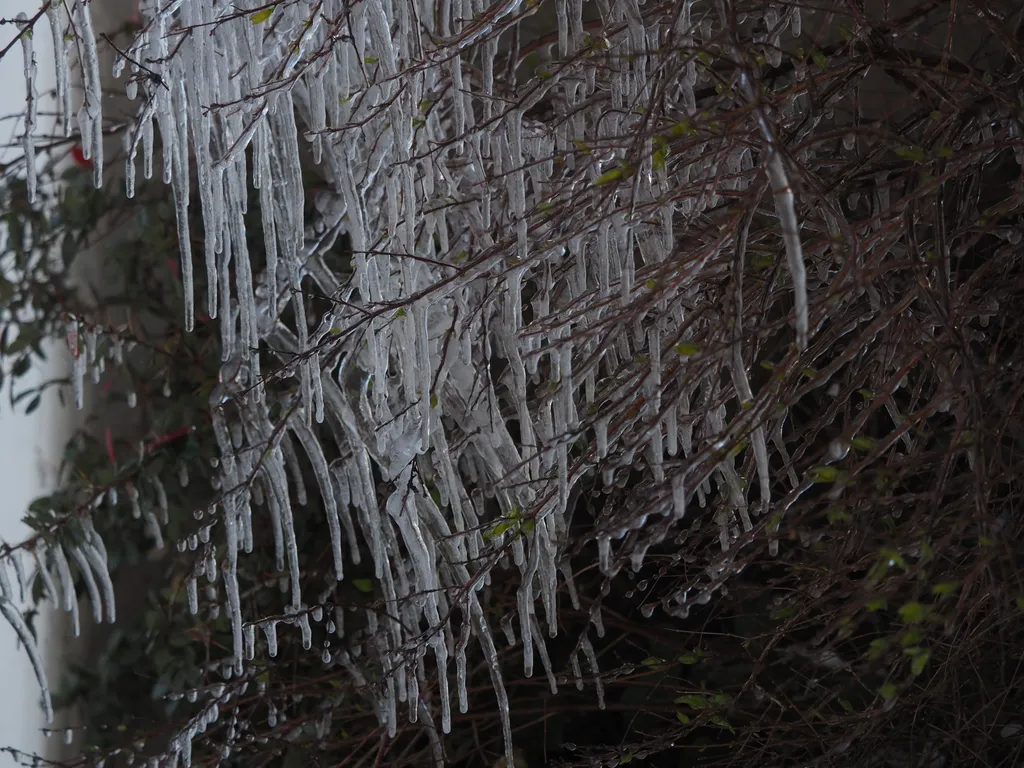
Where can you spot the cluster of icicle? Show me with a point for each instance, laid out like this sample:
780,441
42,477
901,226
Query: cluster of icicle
52,561
441,189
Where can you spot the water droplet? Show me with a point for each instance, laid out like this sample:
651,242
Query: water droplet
838,449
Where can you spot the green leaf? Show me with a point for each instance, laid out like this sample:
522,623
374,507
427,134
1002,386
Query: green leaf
888,691
684,719
681,129
864,443
846,705
820,60
694,701
658,159
912,637
914,154
927,553
615,174
363,585
21,365
823,474
877,605
913,613
687,349
500,528
918,659
837,515
723,723
892,557
262,15
1019,601
370,60
877,648
945,588
652,661
736,450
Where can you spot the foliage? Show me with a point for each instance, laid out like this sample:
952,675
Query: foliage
675,329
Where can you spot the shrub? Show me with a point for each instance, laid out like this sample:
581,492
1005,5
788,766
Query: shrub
659,355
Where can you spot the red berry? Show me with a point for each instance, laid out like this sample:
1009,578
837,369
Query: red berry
78,155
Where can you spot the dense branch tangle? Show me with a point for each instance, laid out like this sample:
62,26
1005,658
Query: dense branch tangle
573,248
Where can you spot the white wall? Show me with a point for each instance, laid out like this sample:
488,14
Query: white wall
30,447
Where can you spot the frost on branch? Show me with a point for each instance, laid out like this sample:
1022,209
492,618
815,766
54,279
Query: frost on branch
570,265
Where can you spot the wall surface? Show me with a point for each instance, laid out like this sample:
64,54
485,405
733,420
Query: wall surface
30,446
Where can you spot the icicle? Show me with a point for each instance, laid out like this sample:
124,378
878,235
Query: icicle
67,584
19,570
230,578
54,14
98,561
181,192
243,141
28,141
320,469
39,554
460,666
307,637
78,379
574,662
508,629
269,628
588,652
601,434
14,618
90,116
191,589
786,209
491,655
545,660
5,583
90,583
